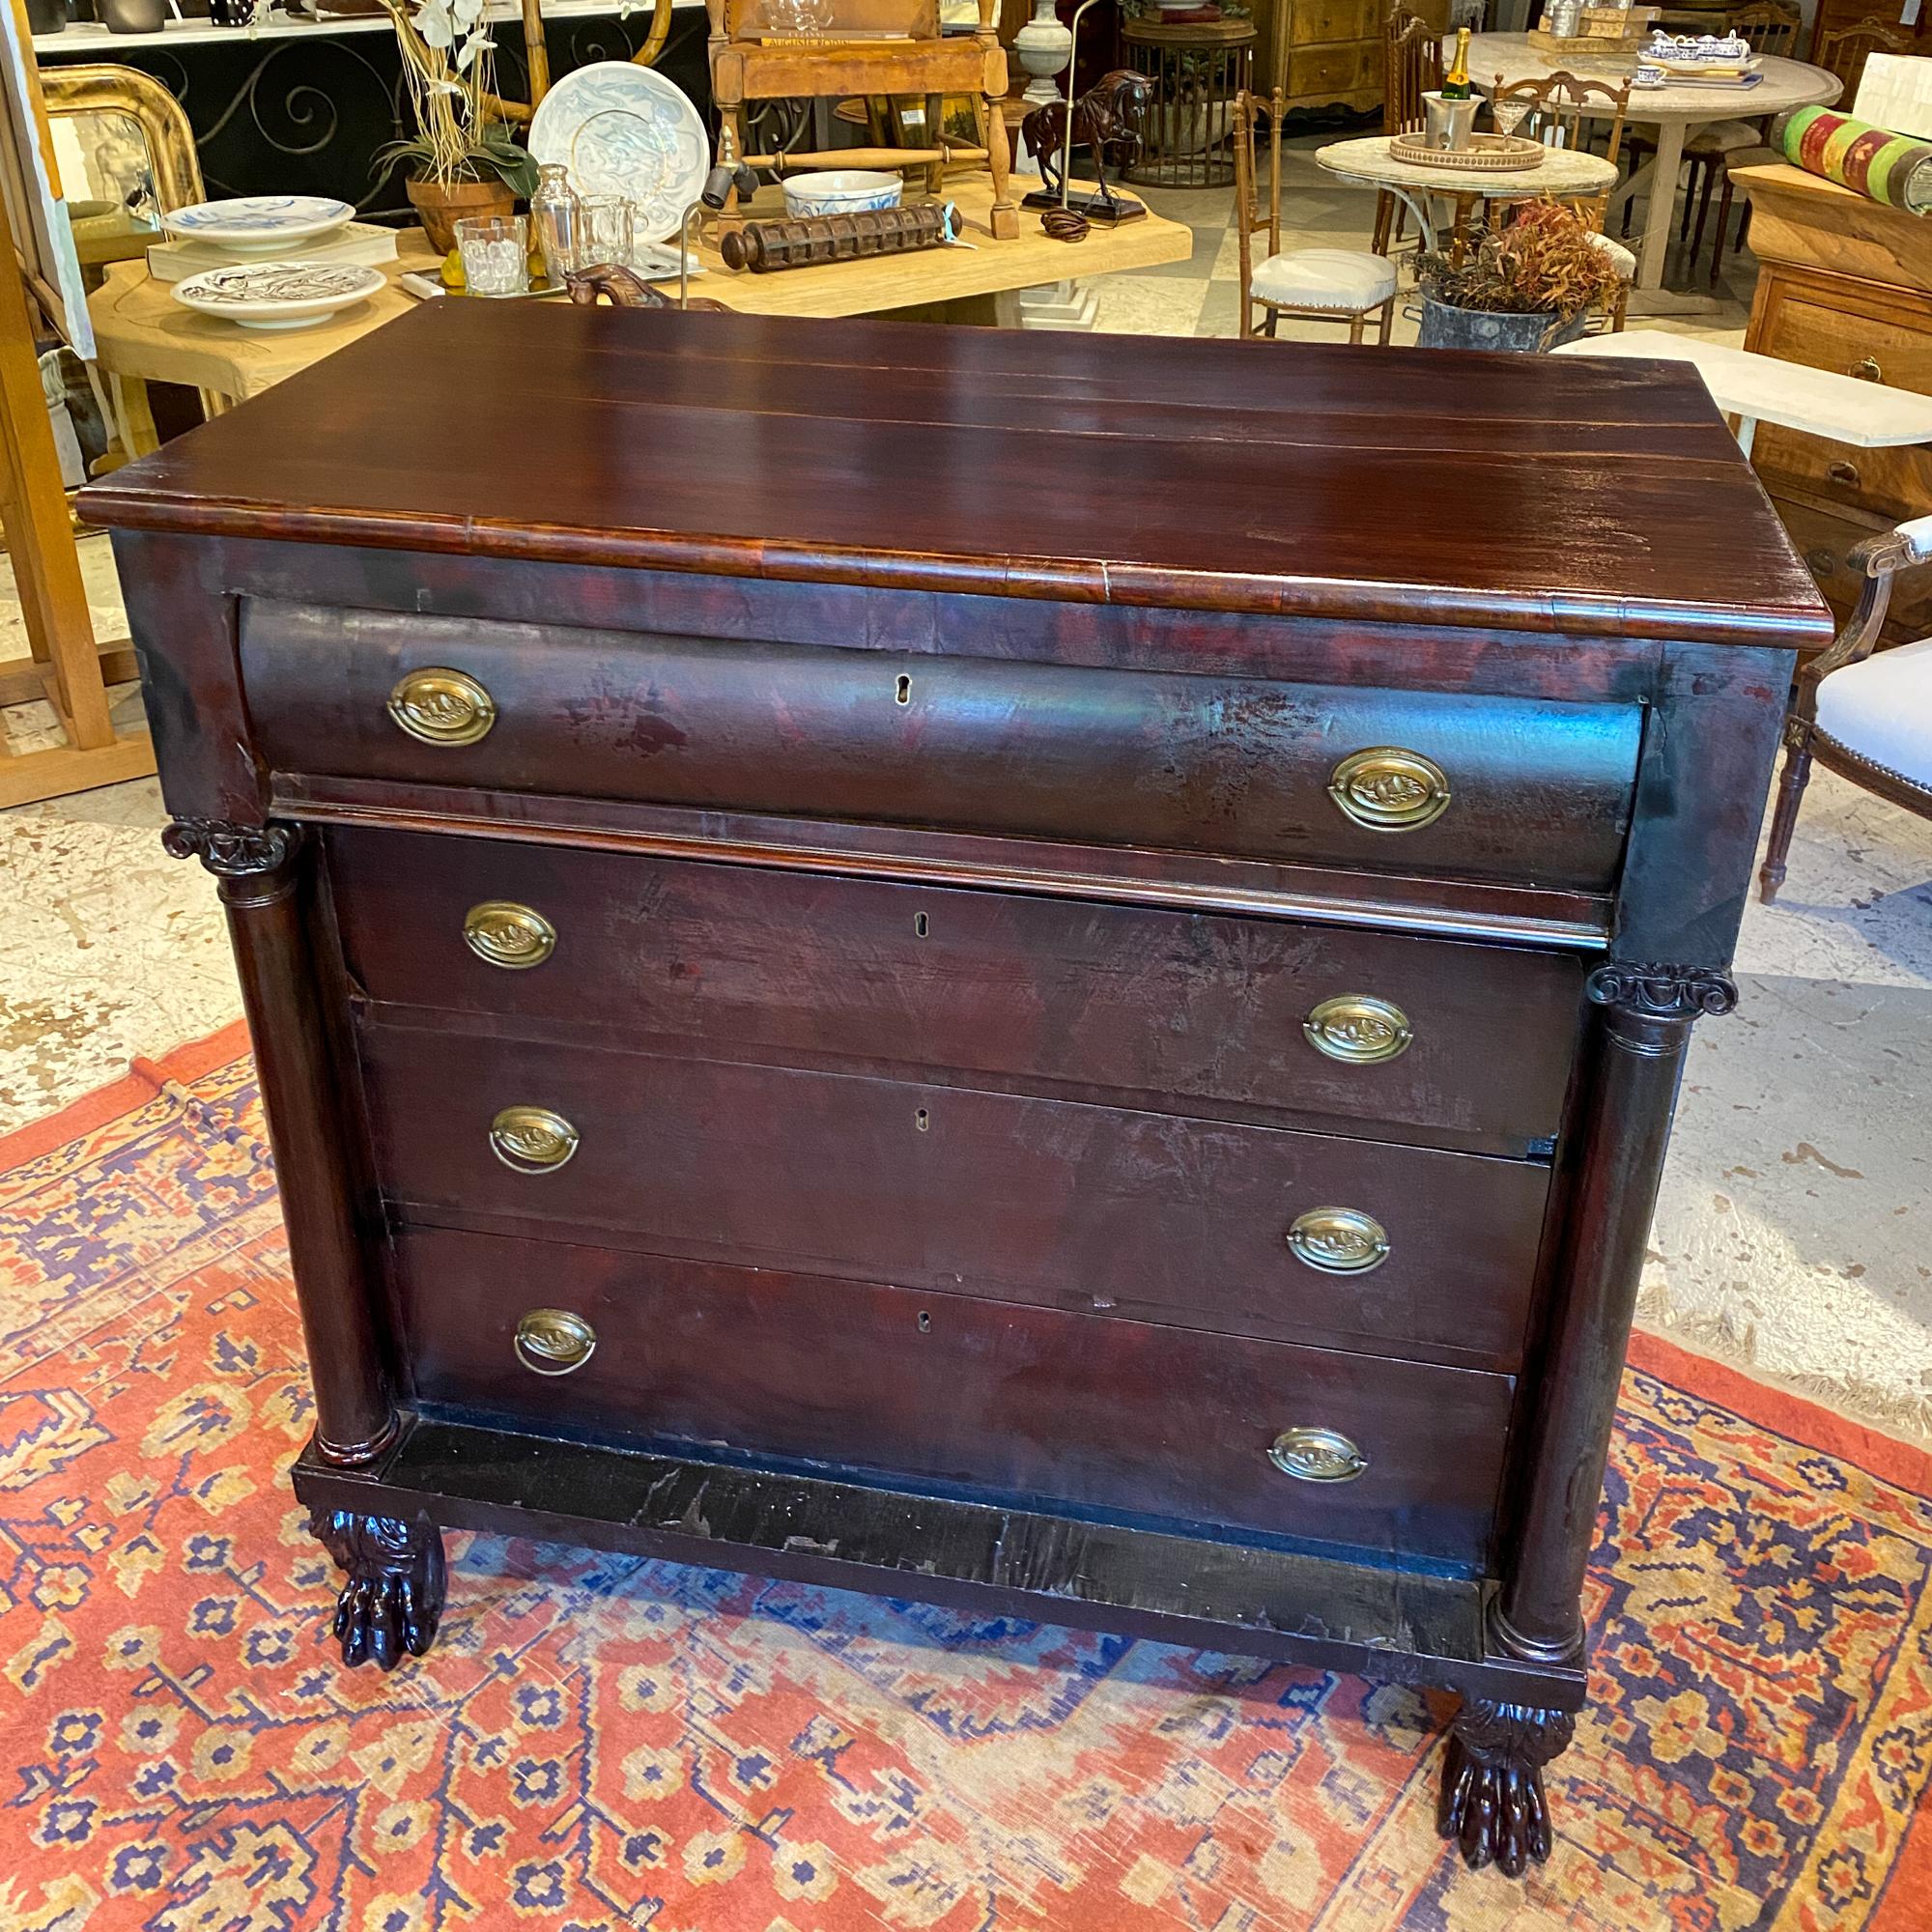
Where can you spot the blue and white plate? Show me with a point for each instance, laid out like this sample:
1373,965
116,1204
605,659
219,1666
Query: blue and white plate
625,129
252,222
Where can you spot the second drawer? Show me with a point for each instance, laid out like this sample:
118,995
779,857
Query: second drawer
1238,1230
743,962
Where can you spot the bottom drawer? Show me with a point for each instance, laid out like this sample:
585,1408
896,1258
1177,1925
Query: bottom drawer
948,1389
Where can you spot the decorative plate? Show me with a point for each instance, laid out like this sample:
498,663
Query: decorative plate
626,131
251,221
278,294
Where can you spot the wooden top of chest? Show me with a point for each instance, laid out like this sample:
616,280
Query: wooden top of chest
1525,492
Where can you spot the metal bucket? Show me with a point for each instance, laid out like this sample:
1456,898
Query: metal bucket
1449,123
1446,327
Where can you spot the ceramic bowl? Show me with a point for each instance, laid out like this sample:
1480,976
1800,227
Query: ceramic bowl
841,191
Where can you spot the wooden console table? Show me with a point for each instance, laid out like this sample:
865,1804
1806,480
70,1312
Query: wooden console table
146,336
861,971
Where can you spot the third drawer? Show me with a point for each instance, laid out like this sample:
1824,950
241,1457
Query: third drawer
1234,1228
1184,1010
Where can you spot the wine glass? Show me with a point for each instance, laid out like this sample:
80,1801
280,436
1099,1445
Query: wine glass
1508,115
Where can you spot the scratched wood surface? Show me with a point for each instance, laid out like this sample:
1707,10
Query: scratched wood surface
1202,474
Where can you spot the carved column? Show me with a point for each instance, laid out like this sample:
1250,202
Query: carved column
1647,1016
1493,1797
260,870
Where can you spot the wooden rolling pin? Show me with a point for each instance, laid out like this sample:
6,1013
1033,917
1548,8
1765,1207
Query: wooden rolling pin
764,246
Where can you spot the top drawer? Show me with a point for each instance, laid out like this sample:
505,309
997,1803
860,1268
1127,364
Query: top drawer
1519,789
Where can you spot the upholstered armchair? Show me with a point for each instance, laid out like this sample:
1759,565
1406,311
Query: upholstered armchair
1866,716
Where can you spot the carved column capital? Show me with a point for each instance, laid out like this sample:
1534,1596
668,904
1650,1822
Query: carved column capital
1649,1008
231,851
1663,992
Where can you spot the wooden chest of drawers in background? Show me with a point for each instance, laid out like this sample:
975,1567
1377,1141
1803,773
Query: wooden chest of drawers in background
931,961
1846,285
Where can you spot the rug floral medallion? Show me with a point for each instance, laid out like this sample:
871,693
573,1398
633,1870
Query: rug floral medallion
599,1743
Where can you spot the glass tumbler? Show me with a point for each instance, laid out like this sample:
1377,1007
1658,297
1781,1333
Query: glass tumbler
605,240
496,256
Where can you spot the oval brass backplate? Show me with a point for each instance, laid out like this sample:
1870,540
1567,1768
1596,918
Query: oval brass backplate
552,1341
440,706
506,934
1317,1456
533,1140
1388,789
1339,1241
1358,1028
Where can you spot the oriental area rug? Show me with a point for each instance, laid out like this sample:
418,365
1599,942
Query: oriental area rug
599,1743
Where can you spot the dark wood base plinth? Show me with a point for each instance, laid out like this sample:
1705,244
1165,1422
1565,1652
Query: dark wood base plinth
1400,1625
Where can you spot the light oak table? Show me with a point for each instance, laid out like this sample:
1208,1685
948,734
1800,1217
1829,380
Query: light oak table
144,335
1673,112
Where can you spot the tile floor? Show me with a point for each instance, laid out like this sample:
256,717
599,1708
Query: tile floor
1792,1235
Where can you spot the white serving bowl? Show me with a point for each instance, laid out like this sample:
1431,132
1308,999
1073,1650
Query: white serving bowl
841,191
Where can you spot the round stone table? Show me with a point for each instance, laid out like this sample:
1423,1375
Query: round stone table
1671,110
1562,172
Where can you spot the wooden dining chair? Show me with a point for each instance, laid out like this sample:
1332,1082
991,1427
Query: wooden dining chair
1768,27
1840,50
1564,111
1317,284
1844,50
1412,66
1868,718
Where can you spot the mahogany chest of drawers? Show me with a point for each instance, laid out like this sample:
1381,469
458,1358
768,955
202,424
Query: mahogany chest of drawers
988,967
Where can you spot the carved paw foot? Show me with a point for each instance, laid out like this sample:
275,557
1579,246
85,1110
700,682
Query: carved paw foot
393,1598
1493,1800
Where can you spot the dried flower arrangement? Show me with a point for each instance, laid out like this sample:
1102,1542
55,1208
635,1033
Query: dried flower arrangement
1541,262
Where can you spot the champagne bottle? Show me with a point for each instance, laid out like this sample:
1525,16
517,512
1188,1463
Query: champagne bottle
1456,82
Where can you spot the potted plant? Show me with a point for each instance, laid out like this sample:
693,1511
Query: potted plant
462,161
1525,286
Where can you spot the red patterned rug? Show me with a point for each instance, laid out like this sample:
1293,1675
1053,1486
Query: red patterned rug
599,1743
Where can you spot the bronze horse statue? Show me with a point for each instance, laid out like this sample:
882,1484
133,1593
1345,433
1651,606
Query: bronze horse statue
1107,119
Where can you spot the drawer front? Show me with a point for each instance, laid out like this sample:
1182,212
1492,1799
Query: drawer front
1825,542
1891,484
1144,1215
1312,23
741,962
1013,1403
1877,348
1535,791
1333,69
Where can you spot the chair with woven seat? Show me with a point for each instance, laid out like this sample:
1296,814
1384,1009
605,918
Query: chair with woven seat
1412,66
1563,110
1865,715
1316,284
871,47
